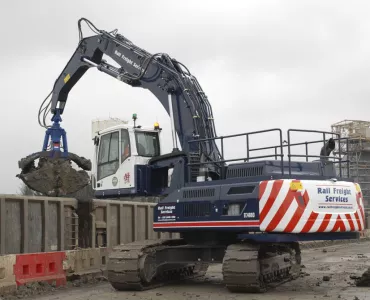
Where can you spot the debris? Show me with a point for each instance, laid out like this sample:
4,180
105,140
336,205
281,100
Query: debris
304,274
324,268
364,280
54,176
326,278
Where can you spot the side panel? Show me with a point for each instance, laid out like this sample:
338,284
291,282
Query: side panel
37,224
125,181
126,172
308,206
227,207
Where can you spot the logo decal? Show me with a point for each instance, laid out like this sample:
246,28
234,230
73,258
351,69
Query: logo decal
126,178
114,181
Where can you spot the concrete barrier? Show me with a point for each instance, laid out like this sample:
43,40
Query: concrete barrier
7,278
51,268
83,262
104,252
37,224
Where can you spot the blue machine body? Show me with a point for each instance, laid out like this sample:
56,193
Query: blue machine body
194,206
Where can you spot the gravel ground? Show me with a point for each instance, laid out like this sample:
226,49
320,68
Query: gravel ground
327,273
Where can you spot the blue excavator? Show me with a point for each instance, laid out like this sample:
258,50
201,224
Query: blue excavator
248,213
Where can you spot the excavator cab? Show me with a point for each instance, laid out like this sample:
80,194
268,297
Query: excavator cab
120,153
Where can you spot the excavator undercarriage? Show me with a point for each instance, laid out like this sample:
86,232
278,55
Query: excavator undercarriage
247,266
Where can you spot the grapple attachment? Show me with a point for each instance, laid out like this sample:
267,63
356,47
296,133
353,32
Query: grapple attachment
54,175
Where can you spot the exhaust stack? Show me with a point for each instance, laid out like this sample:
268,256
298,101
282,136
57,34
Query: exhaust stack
327,149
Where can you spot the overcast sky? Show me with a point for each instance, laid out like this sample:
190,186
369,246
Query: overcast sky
262,64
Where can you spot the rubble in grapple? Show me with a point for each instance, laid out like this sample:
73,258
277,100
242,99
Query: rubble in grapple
54,176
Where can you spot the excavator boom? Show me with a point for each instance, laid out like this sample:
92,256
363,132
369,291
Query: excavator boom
168,80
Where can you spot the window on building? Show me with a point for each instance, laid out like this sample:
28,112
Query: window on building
147,143
108,159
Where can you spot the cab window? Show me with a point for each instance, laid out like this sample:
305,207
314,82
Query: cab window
125,145
147,143
108,158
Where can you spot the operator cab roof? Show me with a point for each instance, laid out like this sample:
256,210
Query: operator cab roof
126,126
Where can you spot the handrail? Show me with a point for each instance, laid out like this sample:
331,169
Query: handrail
335,160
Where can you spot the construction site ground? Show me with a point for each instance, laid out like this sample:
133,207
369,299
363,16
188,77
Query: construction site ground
328,272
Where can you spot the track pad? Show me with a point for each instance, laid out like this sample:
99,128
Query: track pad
54,174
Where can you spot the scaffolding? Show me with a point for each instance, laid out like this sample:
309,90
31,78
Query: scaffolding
356,134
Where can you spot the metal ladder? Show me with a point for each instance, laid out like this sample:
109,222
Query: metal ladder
194,157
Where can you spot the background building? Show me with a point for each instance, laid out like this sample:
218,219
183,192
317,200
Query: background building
358,152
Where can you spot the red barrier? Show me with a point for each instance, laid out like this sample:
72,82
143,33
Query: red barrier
36,267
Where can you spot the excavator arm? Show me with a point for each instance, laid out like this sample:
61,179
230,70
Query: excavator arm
167,79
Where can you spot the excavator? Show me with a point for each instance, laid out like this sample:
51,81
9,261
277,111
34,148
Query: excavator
249,213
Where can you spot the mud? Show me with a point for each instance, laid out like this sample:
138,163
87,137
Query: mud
36,289
364,280
54,176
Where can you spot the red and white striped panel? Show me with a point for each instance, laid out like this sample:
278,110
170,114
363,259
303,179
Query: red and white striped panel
303,208
207,224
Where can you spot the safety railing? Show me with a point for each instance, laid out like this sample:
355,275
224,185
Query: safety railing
278,149
336,160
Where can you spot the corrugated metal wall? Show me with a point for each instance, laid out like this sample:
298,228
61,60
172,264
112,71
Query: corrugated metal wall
120,222
39,224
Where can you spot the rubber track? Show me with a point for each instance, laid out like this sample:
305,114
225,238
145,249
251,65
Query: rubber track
125,265
242,269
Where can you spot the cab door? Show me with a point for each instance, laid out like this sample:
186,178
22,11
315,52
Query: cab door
108,162
126,169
